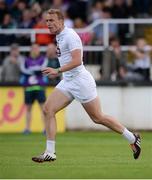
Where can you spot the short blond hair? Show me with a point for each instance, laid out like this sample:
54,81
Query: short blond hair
57,12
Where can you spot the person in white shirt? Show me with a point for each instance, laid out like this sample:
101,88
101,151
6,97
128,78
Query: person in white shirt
77,84
139,70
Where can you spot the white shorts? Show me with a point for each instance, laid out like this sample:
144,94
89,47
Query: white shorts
82,87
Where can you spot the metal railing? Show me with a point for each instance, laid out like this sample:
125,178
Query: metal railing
106,22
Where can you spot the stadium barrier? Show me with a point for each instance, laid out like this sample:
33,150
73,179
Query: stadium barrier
130,105
12,112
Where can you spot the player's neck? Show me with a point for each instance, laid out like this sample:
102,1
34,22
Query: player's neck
60,30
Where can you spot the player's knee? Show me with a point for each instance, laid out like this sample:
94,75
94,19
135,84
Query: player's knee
45,109
96,118
97,121
48,110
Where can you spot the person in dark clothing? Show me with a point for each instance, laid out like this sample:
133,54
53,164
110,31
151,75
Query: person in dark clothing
114,62
53,62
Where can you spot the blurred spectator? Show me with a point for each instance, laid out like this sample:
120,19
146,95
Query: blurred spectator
9,3
34,82
45,4
78,9
53,61
142,7
26,22
122,9
60,4
96,11
52,57
86,37
114,62
11,65
8,23
67,20
139,70
36,11
17,10
98,30
3,10
109,3
43,39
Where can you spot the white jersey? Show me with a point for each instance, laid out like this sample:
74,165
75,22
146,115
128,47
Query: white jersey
67,41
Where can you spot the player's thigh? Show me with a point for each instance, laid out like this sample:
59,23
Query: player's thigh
83,88
93,108
56,101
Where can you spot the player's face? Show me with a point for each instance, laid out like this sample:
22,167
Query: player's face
54,23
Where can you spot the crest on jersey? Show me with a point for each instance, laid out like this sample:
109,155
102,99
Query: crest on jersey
58,51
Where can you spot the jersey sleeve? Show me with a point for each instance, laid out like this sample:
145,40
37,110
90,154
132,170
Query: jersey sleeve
74,42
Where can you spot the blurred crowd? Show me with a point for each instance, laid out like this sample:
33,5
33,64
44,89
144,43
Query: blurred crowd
115,64
78,14
26,70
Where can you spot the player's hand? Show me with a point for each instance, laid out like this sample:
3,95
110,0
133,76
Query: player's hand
50,71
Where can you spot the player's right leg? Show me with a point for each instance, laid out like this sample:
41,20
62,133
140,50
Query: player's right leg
54,103
94,111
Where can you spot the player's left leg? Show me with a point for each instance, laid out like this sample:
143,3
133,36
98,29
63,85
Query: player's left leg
42,116
94,111
41,98
56,101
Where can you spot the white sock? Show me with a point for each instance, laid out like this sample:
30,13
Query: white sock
129,136
50,146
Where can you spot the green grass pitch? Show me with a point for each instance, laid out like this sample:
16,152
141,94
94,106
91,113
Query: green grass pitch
79,155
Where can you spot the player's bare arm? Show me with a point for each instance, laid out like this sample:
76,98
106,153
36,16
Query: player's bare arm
75,61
